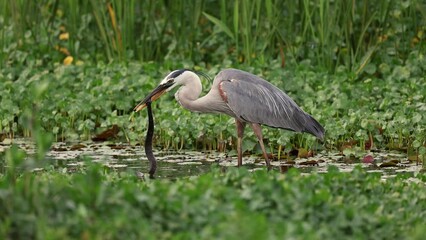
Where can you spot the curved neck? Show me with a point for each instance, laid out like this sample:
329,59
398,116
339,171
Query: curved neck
188,93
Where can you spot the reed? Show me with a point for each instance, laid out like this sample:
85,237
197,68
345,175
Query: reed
329,33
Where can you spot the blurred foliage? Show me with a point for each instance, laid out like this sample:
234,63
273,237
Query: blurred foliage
234,204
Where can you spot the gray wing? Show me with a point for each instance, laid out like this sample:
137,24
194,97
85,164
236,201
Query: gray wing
255,100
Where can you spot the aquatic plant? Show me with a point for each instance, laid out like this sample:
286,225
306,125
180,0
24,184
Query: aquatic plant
235,203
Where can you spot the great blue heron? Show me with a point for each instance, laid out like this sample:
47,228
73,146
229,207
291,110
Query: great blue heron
244,96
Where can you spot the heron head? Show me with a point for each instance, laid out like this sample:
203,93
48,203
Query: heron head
172,80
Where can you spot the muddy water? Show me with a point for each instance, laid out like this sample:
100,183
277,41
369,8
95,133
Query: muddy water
124,157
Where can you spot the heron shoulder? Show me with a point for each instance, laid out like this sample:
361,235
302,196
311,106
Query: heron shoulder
237,74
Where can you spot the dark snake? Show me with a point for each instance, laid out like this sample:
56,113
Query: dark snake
148,142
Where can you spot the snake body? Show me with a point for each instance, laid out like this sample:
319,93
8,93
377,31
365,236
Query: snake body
148,142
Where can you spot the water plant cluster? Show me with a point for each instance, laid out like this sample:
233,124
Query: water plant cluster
77,102
98,204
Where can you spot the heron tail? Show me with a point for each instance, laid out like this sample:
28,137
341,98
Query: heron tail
313,127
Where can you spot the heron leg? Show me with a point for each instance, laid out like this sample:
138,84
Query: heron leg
240,132
258,131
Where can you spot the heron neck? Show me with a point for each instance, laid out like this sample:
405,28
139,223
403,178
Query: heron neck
188,97
188,94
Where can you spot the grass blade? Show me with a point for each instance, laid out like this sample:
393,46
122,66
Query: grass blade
221,25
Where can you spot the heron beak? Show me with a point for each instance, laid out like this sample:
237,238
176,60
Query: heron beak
154,95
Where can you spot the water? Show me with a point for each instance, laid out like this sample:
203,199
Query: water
171,164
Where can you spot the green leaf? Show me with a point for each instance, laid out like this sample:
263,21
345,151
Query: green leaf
221,25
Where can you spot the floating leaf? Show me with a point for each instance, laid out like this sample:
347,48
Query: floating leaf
368,159
388,164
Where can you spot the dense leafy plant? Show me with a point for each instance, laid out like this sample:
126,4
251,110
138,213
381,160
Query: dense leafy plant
93,204
76,102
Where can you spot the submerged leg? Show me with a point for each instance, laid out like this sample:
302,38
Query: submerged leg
240,132
258,131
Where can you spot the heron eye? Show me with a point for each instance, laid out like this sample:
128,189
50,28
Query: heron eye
169,82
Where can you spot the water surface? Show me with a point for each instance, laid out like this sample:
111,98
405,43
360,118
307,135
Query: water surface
171,164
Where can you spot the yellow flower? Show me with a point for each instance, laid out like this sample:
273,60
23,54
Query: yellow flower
68,60
64,36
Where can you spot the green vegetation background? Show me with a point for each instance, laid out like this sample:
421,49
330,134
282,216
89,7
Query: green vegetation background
71,69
